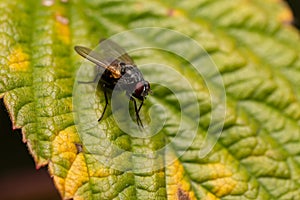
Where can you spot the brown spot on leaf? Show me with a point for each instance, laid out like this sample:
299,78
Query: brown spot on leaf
182,195
174,12
62,19
79,148
48,2
170,12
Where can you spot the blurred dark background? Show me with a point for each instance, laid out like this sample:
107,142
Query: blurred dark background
19,179
295,6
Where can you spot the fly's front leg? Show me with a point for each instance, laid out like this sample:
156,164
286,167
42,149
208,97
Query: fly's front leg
140,106
106,103
136,110
104,91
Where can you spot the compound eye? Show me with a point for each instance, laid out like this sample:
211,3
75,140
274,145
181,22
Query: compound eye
139,88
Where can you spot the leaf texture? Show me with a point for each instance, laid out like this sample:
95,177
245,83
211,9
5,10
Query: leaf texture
255,51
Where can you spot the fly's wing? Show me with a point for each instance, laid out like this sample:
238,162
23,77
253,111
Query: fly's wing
100,59
91,55
113,51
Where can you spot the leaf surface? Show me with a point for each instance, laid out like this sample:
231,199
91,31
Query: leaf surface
255,53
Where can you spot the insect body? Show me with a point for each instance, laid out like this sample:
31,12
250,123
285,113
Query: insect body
117,71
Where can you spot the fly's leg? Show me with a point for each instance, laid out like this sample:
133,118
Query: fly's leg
140,106
104,90
106,103
136,109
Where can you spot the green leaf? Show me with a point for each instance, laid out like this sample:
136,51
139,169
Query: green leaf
223,119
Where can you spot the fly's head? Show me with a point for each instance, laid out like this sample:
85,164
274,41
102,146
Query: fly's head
141,90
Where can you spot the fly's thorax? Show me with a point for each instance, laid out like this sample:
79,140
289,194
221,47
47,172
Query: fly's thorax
131,74
132,82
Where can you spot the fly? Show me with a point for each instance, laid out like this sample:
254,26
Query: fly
114,66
